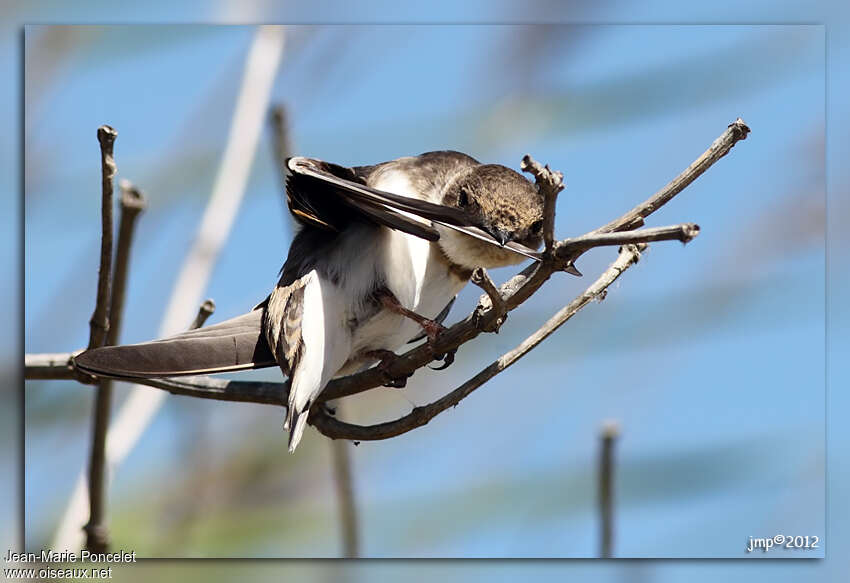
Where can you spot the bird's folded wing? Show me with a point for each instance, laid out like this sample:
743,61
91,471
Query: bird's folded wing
325,195
235,344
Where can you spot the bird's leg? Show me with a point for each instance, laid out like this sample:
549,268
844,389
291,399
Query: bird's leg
431,328
385,358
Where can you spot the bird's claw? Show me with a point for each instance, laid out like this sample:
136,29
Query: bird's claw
385,360
397,383
447,359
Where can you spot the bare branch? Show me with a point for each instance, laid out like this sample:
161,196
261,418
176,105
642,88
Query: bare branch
566,248
132,203
99,323
481,278
206,310
549,184
206,387
736,131
50,366
97,531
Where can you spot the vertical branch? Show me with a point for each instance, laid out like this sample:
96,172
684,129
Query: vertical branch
99,323
549,184
132,203
97,531
282,149
609,434
205,311
345,495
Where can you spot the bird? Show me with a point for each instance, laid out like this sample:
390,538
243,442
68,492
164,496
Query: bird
381,254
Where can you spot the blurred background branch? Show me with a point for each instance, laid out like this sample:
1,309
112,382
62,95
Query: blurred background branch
607,439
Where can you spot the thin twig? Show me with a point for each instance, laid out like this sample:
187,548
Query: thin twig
684,233
99,322
608,437
58,366
736,131
206,310
133,202
482,279
97,530
549,184
633,219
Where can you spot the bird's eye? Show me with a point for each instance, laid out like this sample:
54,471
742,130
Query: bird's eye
536,226
463,198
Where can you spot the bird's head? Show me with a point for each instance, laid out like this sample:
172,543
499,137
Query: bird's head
500,202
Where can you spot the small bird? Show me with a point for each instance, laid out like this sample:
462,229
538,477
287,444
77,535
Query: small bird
382,253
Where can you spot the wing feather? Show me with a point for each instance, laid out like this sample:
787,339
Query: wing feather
323,194
282,318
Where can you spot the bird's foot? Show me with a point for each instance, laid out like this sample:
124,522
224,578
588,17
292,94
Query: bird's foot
385,360
432,328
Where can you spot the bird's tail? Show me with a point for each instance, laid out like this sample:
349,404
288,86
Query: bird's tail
323,347
235,344
296,426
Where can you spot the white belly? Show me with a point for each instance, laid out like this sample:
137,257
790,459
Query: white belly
416,273
418,276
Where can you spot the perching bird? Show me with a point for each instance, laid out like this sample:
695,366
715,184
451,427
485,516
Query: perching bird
383,251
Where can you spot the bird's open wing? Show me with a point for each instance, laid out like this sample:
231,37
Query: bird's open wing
235,344
324,195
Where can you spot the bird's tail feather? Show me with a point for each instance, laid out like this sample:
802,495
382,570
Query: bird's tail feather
235,344
325,346
298,423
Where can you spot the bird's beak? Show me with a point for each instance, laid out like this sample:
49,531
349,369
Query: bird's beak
500,235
